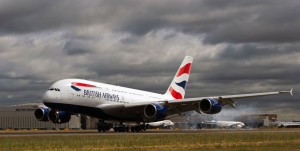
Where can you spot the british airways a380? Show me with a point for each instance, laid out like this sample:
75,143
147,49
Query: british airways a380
115,103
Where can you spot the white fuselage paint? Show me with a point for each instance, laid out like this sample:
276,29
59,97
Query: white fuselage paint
232,124
227,124
98,95
164,123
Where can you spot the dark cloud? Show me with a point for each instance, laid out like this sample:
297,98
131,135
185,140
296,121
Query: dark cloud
34,15
250,51
234,21
76,47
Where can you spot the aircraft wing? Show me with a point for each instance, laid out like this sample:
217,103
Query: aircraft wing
228,99
184,105
178,106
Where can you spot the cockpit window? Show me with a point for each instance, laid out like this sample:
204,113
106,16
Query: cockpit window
54,89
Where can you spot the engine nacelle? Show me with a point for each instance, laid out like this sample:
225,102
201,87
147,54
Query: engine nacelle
59,116
41,114
210,106
155,111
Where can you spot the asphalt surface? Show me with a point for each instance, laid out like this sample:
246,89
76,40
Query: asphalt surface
11,133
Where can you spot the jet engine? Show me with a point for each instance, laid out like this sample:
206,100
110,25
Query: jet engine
59,116
210,106
155,111
41,114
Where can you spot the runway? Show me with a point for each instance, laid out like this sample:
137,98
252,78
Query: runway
11,133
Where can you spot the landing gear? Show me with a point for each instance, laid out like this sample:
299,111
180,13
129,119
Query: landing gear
103,126
124,128
121,128
138,128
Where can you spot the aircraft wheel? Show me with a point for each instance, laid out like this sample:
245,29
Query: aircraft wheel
132,129
137,129
143,127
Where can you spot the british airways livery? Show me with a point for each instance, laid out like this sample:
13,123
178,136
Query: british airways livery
115,103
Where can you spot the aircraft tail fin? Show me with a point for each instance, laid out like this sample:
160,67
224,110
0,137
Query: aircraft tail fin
177,87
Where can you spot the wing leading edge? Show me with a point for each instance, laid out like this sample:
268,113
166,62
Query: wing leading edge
222,99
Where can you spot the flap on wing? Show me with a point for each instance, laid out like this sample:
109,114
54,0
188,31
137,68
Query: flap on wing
228,101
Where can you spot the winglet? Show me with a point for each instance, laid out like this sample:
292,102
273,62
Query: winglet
291,91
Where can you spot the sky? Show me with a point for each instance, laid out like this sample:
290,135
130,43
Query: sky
239,46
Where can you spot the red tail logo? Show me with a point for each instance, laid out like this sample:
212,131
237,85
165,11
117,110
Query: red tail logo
175,94
185,69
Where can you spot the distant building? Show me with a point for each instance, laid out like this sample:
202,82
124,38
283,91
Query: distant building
22,117
257,120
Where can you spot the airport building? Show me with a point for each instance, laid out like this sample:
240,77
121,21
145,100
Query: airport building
258,120
22,117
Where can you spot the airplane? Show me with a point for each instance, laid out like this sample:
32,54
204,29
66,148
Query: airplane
226,124
163,123
120,104
288,124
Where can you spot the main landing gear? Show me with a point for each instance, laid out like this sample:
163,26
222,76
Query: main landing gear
124,128
121,128
105,126
138,128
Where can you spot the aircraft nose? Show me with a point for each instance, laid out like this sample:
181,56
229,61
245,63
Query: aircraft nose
47,97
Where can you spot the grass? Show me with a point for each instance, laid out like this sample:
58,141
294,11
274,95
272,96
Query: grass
170,142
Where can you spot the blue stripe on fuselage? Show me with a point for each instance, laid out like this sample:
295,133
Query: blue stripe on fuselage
75,88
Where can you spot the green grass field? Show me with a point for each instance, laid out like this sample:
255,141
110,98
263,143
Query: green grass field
265,141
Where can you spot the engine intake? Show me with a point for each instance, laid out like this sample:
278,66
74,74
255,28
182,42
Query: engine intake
210,106
41,114
155,111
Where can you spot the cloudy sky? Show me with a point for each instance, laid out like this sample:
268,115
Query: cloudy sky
239,46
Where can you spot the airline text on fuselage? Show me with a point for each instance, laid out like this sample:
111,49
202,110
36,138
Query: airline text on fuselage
107,96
